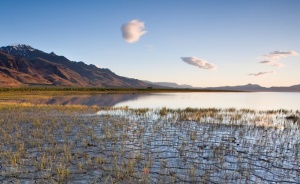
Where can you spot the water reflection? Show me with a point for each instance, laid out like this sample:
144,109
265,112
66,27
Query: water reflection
102,100
257,101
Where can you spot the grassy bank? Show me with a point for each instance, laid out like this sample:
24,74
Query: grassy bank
104,90
46,92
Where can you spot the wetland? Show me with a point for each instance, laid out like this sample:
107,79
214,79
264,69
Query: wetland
72,142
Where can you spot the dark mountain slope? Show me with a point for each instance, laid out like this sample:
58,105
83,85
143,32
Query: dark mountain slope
23,65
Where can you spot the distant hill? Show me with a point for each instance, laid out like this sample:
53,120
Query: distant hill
295,88
22,65
247,87
258,88
169,84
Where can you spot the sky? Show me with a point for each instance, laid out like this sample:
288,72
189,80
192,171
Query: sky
202,43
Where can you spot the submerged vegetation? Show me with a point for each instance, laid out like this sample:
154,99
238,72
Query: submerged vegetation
59,144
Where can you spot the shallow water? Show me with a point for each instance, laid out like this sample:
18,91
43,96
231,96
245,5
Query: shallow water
253,100
121,145
257,101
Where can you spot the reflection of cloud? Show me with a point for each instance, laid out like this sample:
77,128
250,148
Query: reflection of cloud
262,73
132,31
198,62
275,55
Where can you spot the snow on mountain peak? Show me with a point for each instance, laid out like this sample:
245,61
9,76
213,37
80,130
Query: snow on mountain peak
18,49
22,47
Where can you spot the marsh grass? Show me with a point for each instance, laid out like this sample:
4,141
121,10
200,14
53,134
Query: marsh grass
29,93
61,144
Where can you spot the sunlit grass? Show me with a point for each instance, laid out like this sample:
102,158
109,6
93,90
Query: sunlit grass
27,93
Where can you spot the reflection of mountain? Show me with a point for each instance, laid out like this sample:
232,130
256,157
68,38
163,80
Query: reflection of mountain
102,100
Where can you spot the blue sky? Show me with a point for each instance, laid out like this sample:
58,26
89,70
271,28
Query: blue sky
232,35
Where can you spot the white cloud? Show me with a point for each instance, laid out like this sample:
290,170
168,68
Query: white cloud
133,30
262,73
198,62
276,55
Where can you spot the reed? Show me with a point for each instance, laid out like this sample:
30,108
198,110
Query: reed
61,144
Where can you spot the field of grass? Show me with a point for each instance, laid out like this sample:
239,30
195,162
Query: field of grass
28,92
104,89
80,144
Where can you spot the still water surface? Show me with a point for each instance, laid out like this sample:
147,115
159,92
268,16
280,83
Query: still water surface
257,101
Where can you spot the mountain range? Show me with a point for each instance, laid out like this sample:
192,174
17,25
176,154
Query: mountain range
258,88
169,84
248,87
22,65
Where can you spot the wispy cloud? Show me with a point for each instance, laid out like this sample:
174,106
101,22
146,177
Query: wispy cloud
133,30
198,62
278,65
273,63
266,62
273,58
276,55
149,47
262,73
